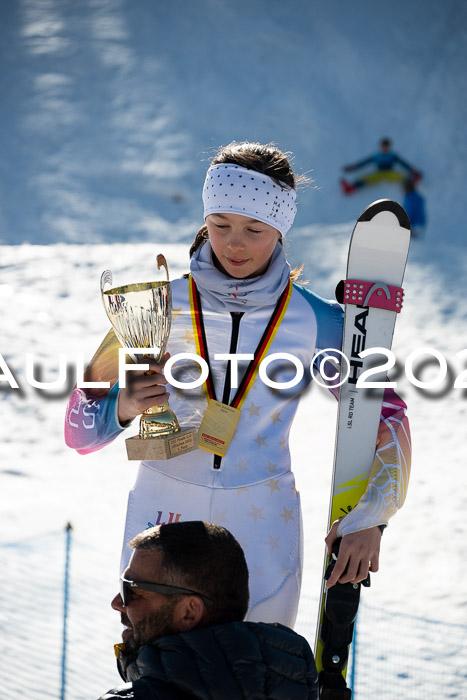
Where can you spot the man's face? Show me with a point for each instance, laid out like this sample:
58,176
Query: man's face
148,615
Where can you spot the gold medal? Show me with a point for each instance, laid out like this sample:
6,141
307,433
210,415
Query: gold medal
217,427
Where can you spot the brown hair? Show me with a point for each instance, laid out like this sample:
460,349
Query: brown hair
264,158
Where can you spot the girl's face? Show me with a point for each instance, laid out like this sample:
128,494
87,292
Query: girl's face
243,246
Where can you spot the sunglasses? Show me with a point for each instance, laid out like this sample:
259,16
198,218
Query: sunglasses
126,587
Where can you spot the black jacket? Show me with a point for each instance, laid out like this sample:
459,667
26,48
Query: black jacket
235,661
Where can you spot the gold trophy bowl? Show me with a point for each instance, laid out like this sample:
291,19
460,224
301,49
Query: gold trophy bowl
141,316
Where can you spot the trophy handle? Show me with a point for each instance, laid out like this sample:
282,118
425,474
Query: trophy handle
106,278
162,262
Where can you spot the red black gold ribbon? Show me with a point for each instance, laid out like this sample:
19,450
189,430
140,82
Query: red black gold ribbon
260,352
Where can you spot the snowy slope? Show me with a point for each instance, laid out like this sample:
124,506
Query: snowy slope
110,110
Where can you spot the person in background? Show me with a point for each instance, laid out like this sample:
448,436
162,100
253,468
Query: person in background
414,205
182,601
384,163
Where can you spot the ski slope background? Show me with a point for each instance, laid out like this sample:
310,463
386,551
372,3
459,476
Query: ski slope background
110,111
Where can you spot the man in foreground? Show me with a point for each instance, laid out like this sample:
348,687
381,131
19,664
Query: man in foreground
182,600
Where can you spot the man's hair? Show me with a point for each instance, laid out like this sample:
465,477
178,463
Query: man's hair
205,558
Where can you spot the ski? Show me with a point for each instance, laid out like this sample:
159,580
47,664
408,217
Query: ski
372,296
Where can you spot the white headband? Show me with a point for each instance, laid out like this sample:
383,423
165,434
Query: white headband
229,188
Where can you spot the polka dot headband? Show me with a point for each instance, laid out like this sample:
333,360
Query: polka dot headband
229,188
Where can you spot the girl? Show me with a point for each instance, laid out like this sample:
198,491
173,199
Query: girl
241,297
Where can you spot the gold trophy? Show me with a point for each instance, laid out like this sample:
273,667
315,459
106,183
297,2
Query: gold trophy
141,316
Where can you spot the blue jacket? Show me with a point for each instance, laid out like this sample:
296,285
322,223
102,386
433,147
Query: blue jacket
414,205
382,161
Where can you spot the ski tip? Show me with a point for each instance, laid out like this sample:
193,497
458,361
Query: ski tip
386,205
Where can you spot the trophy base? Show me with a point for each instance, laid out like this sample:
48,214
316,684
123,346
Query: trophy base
160,448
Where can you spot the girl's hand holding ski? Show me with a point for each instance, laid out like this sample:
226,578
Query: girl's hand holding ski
358,554
144,388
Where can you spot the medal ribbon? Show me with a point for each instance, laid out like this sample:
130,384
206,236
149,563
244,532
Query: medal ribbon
260,352
200,334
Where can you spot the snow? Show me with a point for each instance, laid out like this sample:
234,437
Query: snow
110,113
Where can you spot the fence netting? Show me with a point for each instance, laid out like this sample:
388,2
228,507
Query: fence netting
403,656
396,655
32,596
